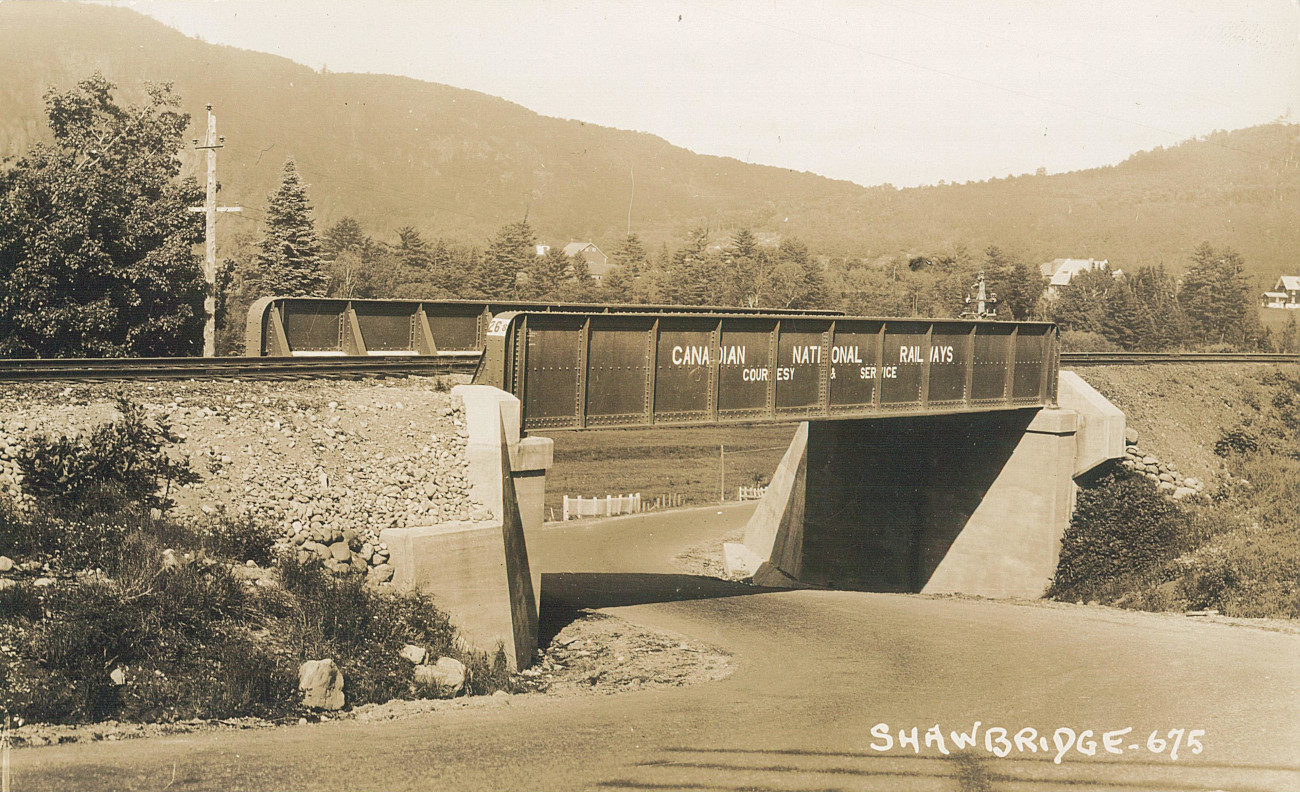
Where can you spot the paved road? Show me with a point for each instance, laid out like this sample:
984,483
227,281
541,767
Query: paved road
815,671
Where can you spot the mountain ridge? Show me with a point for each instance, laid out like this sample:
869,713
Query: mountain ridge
393,151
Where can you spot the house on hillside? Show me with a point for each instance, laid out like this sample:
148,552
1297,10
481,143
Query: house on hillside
542,250
1286,294
1059,272
597,262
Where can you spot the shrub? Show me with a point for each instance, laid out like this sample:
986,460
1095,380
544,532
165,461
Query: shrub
124,460
1241,440
1122,527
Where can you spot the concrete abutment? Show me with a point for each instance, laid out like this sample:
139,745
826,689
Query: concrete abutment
972,504
479,572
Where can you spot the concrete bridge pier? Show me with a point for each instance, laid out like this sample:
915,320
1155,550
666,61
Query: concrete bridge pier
479,571
974,503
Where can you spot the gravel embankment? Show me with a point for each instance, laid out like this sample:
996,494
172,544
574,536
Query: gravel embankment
1180,411
329,462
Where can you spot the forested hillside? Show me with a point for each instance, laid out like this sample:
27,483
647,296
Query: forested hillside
456,164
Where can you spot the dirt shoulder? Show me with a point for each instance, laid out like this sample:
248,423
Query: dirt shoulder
597,654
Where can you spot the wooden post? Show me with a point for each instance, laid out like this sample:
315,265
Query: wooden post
722,474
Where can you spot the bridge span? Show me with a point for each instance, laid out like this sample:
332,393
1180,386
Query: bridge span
574,370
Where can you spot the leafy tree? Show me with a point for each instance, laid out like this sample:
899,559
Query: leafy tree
1219,299
1289,339
96,236
351,259
510,252
289,260
237,288
1084,301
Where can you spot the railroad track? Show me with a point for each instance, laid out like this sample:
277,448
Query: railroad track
112,369
1149,358
279,368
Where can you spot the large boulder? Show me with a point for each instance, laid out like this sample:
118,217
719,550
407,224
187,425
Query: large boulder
321,683
448,676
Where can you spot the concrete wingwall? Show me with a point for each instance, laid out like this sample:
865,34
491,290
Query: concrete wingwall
973,503
479,572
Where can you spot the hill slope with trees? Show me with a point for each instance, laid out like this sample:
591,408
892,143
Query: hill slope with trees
398,153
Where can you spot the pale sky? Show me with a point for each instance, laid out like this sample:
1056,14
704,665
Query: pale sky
872,91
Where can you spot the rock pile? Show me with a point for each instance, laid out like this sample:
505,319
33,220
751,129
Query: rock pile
1164,475
11,476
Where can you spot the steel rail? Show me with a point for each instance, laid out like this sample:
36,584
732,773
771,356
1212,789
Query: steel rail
1150,358
119,369
115,369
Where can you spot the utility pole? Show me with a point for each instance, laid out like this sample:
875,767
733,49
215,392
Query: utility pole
980,304
211,143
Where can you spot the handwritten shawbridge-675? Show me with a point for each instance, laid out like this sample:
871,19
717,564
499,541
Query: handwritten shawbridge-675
1001,742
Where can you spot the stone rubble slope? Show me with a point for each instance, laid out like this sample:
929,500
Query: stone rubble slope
330,463
1164,475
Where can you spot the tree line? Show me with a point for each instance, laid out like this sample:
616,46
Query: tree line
97,258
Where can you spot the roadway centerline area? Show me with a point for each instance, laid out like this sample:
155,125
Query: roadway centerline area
819,677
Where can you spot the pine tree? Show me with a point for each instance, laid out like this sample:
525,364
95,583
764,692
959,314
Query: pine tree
510,252
1163,323
1017,284
547,275
746,270
797,279
289,255
452,269
685,279
1219,299
350,257
1121,321
631,255
414,265
346,234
